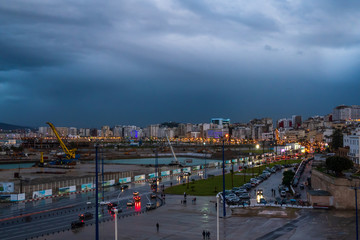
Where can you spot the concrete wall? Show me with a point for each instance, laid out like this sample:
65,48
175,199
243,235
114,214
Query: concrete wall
320,200
339,188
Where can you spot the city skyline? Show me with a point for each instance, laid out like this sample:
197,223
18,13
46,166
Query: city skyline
149,62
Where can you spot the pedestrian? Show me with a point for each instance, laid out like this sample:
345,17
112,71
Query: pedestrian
181,201
208,235
215,206
203,233
170,184
157,227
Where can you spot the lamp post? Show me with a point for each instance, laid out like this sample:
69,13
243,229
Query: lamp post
356,211
217,218
223,162
96,194
205,160
116,230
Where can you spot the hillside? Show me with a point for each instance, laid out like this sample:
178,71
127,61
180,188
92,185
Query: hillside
7,127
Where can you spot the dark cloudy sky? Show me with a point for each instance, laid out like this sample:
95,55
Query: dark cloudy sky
89,63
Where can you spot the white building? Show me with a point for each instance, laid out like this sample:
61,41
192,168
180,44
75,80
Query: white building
72,131
341,113
154,130
353,142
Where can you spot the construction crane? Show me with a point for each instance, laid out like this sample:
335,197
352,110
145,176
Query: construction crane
69,153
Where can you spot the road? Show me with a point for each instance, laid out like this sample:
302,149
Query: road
26,220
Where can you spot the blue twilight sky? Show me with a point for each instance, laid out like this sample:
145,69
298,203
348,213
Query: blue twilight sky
89,63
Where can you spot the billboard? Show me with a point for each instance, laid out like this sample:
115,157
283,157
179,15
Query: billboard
125,180
67,189
5,197
165,173
21,197
140,177
87,186
152,175
109,183
234,160
227,161
195,168
187,169
176,171
6,187
42,193
13,197
17,197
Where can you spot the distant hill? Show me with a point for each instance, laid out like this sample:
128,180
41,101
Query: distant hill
7,127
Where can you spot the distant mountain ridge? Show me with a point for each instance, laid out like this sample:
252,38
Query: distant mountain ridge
5,126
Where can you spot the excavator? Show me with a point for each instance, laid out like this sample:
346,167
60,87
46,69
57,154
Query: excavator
70,156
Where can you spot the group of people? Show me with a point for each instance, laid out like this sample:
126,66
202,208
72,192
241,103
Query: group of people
206,234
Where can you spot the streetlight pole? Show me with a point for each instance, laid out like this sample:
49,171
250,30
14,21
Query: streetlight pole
96,195
102,173
217,218
356,209
205,160
116,230
223,160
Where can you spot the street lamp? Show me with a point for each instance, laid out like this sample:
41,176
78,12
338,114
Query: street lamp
356,211
223,158
205,160
217,217
96,194
116,230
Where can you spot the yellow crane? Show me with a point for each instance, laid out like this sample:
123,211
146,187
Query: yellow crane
70,153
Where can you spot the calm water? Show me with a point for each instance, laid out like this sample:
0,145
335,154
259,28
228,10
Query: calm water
195,161
16,165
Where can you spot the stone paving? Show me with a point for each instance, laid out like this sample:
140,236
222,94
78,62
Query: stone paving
179,221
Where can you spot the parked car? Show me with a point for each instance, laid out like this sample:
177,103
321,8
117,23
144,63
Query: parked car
263,201
244,196
241,191
283,193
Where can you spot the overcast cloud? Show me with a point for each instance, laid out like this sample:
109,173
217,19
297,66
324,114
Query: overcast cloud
91,63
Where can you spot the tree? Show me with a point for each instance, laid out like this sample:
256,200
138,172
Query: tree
287,177
338,164
337,139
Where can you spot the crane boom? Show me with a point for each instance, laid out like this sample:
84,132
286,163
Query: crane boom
172,150
70,154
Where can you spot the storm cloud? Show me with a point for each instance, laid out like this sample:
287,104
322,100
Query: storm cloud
90,63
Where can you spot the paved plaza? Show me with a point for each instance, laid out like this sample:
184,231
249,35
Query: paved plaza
178,221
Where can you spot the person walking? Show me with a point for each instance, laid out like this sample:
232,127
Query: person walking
208,235
203,233
157,227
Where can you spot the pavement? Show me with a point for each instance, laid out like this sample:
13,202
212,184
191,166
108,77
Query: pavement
178,221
